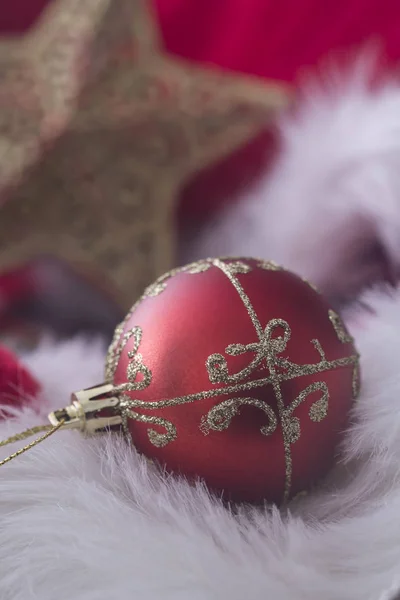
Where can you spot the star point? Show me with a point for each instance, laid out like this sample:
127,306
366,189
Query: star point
101,128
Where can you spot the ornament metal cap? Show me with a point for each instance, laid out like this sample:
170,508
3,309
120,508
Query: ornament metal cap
91,410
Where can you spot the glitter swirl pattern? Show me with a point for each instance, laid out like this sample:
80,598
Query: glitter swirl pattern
268,348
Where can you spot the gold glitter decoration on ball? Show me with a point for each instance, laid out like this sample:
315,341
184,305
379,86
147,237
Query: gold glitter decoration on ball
269,348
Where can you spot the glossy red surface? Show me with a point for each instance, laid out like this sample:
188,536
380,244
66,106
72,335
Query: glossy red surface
201,314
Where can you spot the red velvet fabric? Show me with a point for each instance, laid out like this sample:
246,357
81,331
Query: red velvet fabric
17,385
16,285
269,38
19,15
276,38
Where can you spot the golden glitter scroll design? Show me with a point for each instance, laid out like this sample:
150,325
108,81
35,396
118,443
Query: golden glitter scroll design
340,329
269,265
221,415
356,380
200,266
160,284
311,285
269,347
236,266
346,338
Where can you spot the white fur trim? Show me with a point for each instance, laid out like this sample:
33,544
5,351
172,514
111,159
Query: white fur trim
334,191
91,520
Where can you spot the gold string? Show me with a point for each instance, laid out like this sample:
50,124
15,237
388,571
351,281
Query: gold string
48,429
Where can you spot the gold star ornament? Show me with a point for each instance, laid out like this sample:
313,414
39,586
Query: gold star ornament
99,130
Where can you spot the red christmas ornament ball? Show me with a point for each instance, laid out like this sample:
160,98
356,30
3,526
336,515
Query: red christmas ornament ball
18,387
238,372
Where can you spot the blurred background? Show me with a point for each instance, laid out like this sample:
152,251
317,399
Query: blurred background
127,126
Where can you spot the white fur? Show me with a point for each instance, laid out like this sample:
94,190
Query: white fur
334,190
91,520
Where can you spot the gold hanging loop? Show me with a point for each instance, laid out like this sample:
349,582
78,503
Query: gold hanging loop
48,429
91,411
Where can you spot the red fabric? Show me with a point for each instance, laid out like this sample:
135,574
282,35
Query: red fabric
17,16
276,39
16,285
17,385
